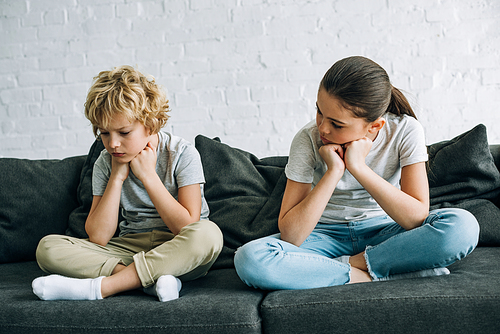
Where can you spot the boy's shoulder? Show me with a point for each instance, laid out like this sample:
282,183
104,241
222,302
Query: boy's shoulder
173,144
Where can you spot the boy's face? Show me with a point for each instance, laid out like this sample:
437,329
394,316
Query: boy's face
124,139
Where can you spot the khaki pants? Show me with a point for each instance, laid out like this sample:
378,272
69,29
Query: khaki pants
188,255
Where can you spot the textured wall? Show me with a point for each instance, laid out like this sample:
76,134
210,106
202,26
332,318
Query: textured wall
244,70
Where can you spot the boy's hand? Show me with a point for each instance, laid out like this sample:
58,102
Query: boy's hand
119,170
144,163
333,155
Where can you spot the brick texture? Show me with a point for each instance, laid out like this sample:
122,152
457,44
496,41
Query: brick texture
246,71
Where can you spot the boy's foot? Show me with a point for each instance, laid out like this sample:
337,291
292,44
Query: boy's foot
166,288
56,287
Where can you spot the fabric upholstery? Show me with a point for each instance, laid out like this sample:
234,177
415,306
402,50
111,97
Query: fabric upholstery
36,197
462,168
77,218
218,303
466,301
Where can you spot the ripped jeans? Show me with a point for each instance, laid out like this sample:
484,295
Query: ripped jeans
269,263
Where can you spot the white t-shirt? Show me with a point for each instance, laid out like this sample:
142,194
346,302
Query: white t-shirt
178,164
399,143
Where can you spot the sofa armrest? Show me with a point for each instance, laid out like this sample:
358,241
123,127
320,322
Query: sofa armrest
495,152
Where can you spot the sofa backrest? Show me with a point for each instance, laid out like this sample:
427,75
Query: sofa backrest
36,198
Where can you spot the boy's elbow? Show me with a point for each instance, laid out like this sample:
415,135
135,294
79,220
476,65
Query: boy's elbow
96,238
98,241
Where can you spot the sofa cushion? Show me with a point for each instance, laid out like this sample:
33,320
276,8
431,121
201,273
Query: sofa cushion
462,168
36,197
243,192
466,301
217,303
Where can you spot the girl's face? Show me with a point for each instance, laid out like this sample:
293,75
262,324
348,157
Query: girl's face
124,139
336,124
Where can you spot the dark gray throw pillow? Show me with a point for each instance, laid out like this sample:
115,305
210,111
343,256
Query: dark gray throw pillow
243,192
462,168
77,218
36,197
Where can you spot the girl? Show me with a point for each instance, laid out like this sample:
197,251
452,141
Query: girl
156,180
356,203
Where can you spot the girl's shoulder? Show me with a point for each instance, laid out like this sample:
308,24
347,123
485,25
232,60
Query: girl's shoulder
402,126
307,135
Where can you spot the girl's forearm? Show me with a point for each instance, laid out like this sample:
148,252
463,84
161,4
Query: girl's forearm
298,223
407,211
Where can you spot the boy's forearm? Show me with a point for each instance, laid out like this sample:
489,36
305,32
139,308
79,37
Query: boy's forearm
102,222
173,214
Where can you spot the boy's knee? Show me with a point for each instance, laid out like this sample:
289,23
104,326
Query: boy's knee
206,238
46,251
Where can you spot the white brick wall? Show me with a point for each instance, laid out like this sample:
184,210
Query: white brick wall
244,70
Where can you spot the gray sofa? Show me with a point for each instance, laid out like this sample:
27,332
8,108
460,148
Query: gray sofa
40,197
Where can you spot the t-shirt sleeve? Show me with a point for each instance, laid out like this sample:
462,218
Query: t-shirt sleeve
189,169
100,174
301,160
413,148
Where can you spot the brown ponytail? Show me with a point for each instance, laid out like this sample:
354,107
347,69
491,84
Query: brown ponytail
399,105
365,88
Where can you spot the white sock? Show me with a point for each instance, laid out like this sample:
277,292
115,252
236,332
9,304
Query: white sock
414,274
343,259
56,287
167,288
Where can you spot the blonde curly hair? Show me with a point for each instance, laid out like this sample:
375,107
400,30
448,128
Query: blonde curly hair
126,91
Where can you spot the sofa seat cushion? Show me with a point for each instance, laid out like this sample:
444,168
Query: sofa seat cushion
466,301
217,303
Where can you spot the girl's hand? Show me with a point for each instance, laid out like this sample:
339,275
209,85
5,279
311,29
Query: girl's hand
356,152
144,163
119,170
333,155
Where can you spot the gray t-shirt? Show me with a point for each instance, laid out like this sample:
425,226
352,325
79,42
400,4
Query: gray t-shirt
399,143
178,164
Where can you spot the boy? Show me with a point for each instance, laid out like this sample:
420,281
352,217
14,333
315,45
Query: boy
156,180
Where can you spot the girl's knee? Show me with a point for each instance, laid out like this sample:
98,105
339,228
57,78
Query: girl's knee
461,229
252,263
466,225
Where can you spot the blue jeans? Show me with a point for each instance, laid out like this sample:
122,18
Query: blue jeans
269,263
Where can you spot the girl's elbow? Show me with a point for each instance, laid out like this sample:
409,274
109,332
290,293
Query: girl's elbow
289,236
417,219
